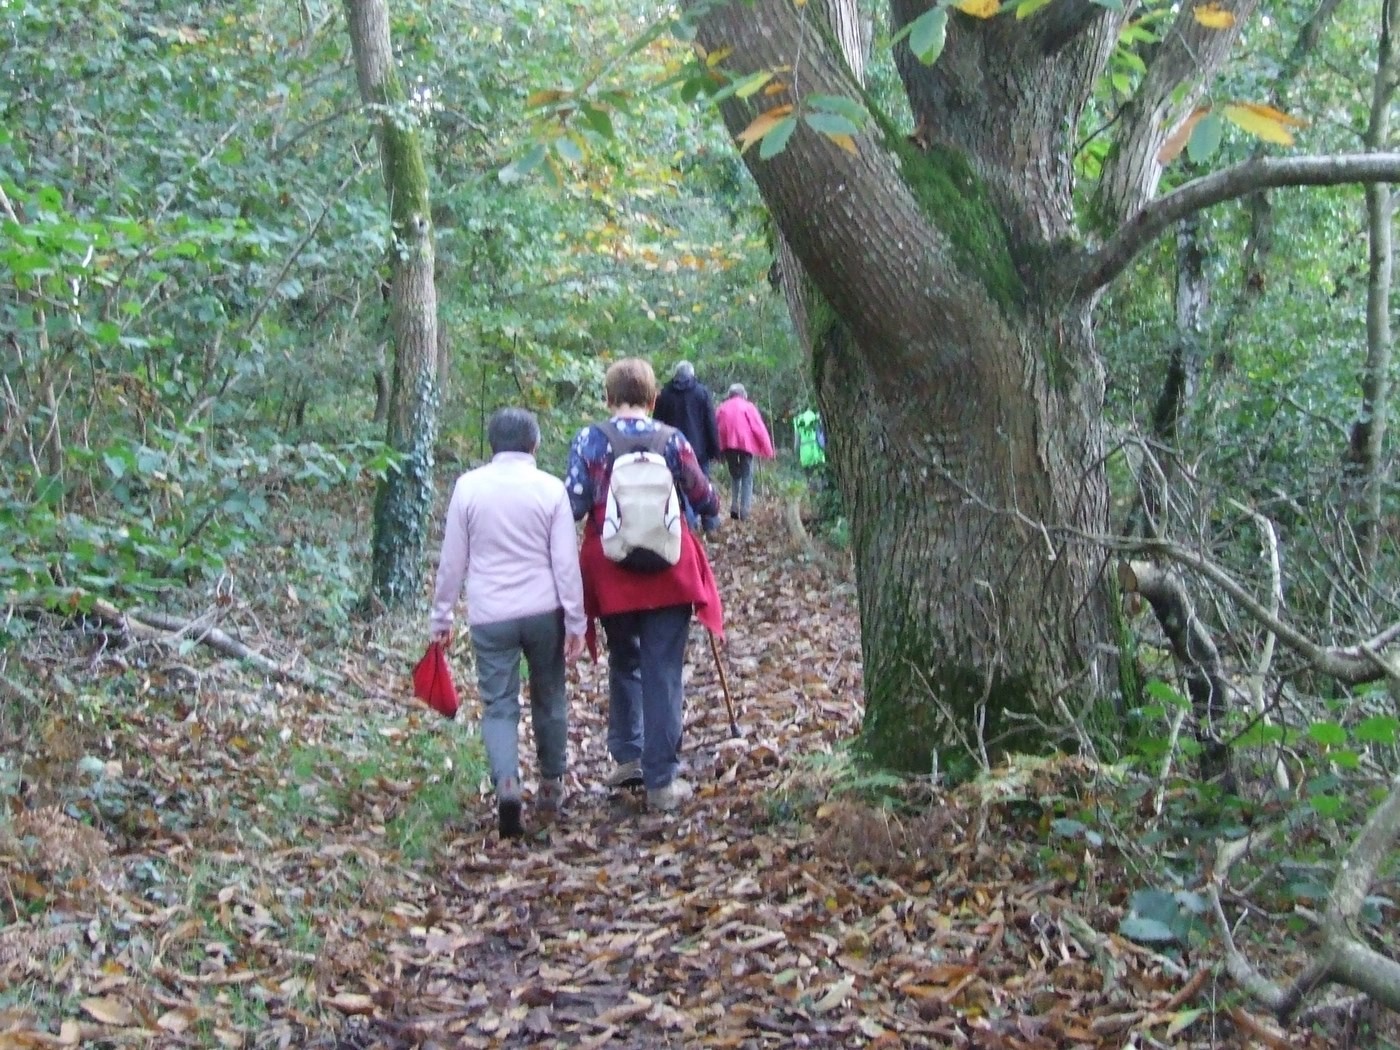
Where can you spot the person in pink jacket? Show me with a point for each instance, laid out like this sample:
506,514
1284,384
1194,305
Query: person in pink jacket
742,436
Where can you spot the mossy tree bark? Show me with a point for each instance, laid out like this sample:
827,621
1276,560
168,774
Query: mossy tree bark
950,324
404,500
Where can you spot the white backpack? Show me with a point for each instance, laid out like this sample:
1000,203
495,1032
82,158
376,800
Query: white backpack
642,516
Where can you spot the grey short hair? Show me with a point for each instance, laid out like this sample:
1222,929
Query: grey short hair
685,370
513,430
737,390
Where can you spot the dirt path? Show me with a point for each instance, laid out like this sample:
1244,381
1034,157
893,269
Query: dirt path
615,926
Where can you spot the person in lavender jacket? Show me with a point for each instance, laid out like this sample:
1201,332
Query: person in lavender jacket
742,436
510,535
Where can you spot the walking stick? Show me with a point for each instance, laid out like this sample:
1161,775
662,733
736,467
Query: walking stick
724,684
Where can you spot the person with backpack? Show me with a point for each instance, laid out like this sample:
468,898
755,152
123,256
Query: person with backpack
742,436
510,535
685,403
644,574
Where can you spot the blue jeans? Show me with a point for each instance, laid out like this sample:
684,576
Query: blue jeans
498,647
646,703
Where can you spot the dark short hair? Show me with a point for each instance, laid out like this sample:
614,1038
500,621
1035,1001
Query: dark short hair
630,382
513,430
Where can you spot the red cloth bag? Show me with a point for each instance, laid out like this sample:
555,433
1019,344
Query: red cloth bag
432,682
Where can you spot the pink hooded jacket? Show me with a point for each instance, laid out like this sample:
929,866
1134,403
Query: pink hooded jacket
741,428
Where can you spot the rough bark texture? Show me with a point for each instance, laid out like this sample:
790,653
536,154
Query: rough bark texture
404,501
961,409
949,316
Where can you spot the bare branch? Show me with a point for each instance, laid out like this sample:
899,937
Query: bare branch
1100,268
1344,958
1349,664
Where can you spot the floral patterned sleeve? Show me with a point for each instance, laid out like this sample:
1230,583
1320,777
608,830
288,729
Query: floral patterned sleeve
587,463
690,478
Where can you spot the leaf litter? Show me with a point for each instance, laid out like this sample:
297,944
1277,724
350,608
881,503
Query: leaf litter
244,864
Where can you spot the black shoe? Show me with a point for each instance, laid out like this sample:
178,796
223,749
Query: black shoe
734,514
508,808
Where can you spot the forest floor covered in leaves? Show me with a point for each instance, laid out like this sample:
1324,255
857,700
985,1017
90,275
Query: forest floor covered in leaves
198,857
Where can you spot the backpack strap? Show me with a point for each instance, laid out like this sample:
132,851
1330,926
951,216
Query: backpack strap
653,441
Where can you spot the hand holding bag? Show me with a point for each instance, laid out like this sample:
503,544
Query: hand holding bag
432,682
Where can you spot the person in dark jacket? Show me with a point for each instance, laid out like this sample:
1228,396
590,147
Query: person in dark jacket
685,403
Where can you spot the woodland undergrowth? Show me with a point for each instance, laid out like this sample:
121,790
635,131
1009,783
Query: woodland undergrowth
194,854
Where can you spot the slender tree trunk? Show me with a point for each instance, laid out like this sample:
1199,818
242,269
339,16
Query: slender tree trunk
1368,434
404,501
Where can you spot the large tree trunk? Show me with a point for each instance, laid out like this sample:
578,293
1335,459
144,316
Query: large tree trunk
949,318
963,405
404,501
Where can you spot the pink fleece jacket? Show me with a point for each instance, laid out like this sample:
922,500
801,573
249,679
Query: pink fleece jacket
741,428
510,534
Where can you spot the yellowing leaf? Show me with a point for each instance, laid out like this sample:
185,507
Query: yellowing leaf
543,98
717,56
979,8
1176,141
108,1010
1213,16
776,88
750,84
845,142
761,125
1261,121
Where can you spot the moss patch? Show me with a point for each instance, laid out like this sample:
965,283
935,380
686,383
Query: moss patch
908,722
956,201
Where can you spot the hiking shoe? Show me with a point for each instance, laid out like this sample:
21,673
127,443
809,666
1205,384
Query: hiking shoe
551,795
734,515
627,774
508,808
671,796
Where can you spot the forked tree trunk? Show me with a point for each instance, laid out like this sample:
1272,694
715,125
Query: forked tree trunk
963,407
949,318
404,501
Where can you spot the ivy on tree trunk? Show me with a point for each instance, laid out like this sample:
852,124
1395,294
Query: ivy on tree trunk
404,501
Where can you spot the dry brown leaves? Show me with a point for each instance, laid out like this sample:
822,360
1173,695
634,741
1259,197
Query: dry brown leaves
764,914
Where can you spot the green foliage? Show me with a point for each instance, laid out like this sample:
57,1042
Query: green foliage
151,517
1164,918
193,251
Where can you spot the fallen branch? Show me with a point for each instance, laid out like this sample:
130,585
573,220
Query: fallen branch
169,630
1343,958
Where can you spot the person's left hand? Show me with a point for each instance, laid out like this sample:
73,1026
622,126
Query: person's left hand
573,647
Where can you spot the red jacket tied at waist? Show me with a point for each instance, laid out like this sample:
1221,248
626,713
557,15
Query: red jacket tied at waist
608,588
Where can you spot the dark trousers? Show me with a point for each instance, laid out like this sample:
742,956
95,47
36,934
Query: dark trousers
740,466
646,702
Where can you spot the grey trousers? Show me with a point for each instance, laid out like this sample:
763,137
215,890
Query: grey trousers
646,657
740,466
498,647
